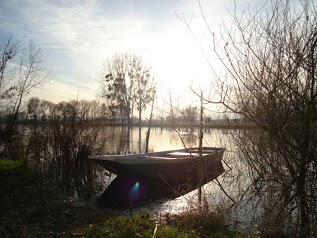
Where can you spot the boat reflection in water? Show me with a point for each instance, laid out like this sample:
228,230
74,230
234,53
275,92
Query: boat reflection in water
151,176
126,191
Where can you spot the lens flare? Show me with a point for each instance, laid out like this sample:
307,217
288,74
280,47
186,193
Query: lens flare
135,192
136,186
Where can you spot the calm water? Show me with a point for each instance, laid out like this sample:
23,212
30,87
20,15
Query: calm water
118,140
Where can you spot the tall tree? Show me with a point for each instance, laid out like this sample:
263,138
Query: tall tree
270,59
34,108
189,115
46,108
145,85
127,81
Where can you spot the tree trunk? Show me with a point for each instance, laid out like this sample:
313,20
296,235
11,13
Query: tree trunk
201,165
140,116
149,129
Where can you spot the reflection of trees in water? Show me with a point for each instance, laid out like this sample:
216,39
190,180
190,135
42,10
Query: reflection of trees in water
187,135
124,145
231,190
60,149
117,139
253,191
190,139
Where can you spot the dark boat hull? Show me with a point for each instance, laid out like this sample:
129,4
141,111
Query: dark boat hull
177,173
171,172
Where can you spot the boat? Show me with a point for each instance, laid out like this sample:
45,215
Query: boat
171,167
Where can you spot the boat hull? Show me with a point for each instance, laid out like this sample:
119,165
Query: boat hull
168,171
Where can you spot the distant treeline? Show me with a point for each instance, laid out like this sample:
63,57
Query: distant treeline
40,111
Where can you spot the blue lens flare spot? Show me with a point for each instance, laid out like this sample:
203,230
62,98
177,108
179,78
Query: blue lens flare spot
136,186
135,192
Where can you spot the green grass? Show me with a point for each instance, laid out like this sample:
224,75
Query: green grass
31,206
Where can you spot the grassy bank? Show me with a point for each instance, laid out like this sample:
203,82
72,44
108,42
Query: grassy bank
31,206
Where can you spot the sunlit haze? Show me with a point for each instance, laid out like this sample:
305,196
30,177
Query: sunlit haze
77,36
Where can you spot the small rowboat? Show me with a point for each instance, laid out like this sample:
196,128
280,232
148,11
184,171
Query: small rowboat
173,167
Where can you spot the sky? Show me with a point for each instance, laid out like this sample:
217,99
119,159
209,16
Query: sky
77,36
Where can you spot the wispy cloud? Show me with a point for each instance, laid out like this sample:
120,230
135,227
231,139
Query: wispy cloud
78,35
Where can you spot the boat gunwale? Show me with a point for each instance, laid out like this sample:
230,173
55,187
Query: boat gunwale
156,157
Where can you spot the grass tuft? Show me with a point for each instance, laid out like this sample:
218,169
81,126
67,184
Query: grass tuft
204,221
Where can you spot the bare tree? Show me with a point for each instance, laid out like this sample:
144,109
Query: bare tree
33,107
127,81
21,71
189,115
270,59
46,108
8,51
116,84
145,86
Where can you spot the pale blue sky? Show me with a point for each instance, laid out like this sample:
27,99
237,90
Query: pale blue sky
78,35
